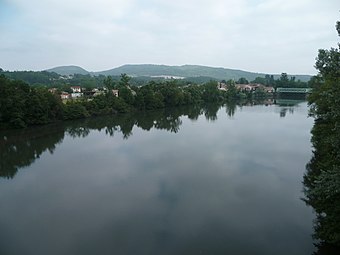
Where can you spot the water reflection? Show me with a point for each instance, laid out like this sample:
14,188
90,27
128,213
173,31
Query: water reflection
20,148
287,106
231,108
214,182
326,249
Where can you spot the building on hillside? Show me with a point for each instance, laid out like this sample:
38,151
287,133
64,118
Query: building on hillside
76,95
97,92
76,89
253,87
269,89
244,87
115,92
222,86
52,90
88,93
65,95
256,86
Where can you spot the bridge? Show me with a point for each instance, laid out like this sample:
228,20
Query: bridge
294,90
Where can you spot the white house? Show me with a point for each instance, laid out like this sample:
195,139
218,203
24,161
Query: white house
269,89
76,89
244,87
115,92
52,90
76,95
64,95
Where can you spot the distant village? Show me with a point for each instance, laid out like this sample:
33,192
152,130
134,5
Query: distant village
78,92
251,87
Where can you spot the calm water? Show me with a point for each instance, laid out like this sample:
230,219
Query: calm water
186,181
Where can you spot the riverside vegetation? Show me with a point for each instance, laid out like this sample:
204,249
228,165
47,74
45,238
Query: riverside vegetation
23,104
322,179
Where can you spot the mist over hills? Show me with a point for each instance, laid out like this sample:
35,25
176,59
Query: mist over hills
185,71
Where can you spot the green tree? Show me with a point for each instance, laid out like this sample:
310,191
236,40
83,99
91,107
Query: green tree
322,179
211,92
260,80
232,92
172,94
124,80
13,101
108,83
126,94
284,80
195,92
75,110
242,81
270,81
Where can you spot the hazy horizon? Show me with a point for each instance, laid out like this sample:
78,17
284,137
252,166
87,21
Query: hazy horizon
95,71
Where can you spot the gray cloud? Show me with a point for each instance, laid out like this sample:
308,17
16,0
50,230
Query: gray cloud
265,36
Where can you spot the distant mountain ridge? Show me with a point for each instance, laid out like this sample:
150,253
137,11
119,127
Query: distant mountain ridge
185,71
68,70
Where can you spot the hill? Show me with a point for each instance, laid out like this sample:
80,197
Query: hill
187,71
184,71
68,70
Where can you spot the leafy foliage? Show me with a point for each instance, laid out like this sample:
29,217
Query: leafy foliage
322,179
23,105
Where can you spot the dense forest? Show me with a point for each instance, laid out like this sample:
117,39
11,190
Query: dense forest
322,179
24,105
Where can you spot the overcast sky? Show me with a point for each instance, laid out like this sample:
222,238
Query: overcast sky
269,36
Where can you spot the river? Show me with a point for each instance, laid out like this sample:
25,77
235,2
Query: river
211,180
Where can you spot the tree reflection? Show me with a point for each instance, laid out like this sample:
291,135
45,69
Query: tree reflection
230,108
326,249
77,131
210,111
287,105
19,149
194,112
125,123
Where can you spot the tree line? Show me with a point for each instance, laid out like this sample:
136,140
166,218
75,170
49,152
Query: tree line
322,178
284,81
23,105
